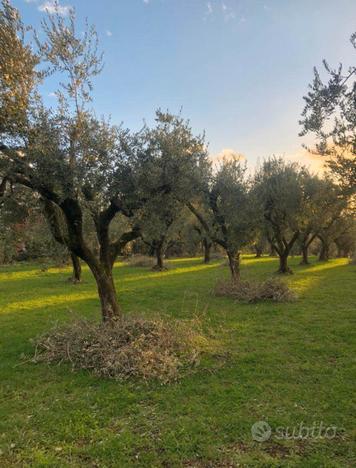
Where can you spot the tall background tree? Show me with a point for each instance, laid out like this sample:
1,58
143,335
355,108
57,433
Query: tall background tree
330,115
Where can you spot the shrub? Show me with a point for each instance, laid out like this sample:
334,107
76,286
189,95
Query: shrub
130,347
141,261
272,289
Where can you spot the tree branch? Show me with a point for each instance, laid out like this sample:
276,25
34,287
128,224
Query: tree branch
124,239
53,218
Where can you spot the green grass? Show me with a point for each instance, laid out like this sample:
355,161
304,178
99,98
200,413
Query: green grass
282,363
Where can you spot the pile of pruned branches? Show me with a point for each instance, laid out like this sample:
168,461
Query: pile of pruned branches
253,291
129,347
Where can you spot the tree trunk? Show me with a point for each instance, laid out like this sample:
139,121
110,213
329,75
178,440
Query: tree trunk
324,251
283,264
258,251
110,309
234,264
77,269
283,248
159,257
341,252
207,247
305,243
305,259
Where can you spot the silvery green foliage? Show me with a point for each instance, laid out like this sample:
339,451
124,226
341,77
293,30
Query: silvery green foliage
231,206
86,171
174,165
330,115
279,194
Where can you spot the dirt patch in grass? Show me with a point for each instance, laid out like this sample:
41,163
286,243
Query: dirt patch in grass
272,289
130,347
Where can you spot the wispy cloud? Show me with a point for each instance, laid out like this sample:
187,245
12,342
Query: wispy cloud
108,33
228,12
209,10
53,6
225,9
146,2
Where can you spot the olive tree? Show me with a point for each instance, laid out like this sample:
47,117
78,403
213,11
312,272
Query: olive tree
175,160
345,240
332,208
330,115
312,213
159,222
230,220
278,188
75,162
81,166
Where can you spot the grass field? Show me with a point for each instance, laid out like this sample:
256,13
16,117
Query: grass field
285,364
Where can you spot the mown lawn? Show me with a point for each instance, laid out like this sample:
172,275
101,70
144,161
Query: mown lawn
286,364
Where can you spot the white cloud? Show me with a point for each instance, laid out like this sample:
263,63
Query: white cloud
228,154
312,161
31,1
108,33
146,2
52,95
52,7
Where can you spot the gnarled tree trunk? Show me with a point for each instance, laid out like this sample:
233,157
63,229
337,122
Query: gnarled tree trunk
305,259
77,269
101,263
110,309
159,257
207,248
283,263
324,250
305,243
234,264
283,248
158,247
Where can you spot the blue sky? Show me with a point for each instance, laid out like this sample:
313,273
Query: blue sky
237,68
